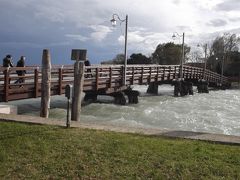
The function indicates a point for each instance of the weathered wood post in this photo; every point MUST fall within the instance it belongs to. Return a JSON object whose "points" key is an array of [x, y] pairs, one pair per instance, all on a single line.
{"points": [[78, 82], [6, 84], [46, 84], [36, 82], [153, 88]]}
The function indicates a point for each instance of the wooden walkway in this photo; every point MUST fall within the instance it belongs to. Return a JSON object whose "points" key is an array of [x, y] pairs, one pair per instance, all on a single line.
{"points": [[98, 79]]}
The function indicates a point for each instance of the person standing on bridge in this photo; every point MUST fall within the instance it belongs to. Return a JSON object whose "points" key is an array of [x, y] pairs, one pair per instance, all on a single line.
{"points": [[21, 73], [7, 61], [87, 63]]}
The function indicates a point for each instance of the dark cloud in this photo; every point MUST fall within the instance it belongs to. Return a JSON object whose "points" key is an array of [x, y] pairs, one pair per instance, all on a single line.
{"points": [[184, 28], [234, 19], [176, 2], [217, 23], [229, 5]]}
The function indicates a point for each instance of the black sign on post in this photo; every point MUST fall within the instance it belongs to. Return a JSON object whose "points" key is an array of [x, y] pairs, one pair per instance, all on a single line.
{"points": [[68, 94], [68, 91], [79, 54]]}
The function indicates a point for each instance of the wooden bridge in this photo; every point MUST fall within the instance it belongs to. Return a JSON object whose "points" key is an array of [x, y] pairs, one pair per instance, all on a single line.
{"points": [[99, 79]]}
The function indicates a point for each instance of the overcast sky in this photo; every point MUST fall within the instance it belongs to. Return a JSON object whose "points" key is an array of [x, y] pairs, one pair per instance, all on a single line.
{"points": [[29, 26]]}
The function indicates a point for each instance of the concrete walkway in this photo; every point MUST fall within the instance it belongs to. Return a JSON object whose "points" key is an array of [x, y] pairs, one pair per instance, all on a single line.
{"points": [[218, 138]]}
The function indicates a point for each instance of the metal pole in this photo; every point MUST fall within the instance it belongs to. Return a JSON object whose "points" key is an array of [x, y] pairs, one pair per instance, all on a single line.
{"points": [[68, 111], [222, 68], [182, 60], [125, 53], [205, 63]]}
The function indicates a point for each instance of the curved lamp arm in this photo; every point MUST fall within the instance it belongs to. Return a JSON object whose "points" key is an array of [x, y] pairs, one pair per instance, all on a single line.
{"points": [[114, 21], [175, 34]]}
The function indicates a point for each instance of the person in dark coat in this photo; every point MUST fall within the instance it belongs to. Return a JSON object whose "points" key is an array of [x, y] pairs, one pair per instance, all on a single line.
{"points": [[7, 61], [21, 63], [87, 63]]}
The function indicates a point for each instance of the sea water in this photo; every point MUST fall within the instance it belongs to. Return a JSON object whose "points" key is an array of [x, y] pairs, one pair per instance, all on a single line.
{"points": [[216, 112]]}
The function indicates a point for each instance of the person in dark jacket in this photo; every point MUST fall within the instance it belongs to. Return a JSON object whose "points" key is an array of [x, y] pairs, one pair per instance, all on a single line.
{"points": [[87, 63], [7, 61], [21, 63]]}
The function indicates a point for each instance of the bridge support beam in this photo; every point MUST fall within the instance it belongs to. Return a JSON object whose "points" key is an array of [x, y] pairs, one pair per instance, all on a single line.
{"points": [[119, 98], [153, 88], [90, 97], [182, 88], [202, 86], [132, 96]]}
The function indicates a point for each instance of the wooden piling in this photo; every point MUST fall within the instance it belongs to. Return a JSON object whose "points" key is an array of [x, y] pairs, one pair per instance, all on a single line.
{"points": [[78, 90], [60, 80], [46, 84], [6, 84], [36, 83], [153, 88]]}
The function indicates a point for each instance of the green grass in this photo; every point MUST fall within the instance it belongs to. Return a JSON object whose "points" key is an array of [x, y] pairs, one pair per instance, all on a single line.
{"points": [[49, 152]]}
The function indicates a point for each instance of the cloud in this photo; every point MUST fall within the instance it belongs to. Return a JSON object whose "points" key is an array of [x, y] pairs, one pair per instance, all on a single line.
{"points": [[144, 41], [53, 14], [77, 37], [57, 25], [235, 19], [228, 5], [100, 32], [217, 23]]}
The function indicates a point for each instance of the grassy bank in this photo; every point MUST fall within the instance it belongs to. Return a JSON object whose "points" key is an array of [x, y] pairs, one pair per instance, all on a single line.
{"points": [[40, 152]]}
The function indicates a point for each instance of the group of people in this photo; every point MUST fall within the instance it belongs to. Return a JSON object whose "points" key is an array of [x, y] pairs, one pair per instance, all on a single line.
{"points": [[8, 62]]}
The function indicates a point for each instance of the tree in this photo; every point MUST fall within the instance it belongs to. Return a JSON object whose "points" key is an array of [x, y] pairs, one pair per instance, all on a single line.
{"points": [[119, 59], [169, 53], [139, 59], [195, 57], [225, 49]]}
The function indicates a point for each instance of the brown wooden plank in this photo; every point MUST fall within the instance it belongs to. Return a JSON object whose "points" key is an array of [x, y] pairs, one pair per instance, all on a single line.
{"points": [[60, 80], [36, 85]]}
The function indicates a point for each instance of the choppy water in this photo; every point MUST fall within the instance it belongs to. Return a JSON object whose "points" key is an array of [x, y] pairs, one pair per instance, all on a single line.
{"points": [[216, 112]]}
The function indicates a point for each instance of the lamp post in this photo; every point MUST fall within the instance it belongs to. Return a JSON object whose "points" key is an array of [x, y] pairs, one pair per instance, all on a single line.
{"points": [[205, 58], [222, 65], [175, 34], [114, 23]]}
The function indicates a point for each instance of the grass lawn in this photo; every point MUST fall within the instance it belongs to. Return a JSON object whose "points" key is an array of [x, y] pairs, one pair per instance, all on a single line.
{"points": [[50, 152]]}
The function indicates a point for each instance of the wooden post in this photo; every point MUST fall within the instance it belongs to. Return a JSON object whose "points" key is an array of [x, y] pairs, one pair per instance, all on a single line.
{"points": [[36, 82], [175, 73], [150, 75], [6, 84], [163, 78], [60, 80], [123, 73], [133, 75], [110, 77], [97, 78], [142, 75], [78, 89], [46, 84]]}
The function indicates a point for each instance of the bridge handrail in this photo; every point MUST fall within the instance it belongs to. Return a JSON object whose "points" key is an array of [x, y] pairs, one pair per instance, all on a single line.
{"points": [[100, 77]]}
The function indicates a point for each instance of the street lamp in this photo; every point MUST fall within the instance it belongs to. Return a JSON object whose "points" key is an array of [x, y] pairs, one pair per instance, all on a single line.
{"points": [[114, 23], [205, 58], [222, 65], [175, 34]]}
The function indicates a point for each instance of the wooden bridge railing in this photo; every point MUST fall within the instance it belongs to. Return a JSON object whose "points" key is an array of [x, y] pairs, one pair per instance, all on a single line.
{"points": [[97, 78]]}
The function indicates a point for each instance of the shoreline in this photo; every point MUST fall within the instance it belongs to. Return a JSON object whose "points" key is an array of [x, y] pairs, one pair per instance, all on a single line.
{"points": [[209, 137]]}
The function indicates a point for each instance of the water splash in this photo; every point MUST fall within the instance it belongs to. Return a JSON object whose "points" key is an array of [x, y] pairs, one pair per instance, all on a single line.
{"points": [[216, 112]]}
